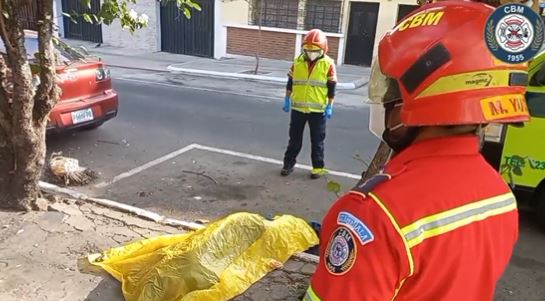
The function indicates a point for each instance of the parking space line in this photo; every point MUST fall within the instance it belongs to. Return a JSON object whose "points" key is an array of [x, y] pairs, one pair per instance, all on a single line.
{"points": [[150, 164], [190, 147], [269, 160]]}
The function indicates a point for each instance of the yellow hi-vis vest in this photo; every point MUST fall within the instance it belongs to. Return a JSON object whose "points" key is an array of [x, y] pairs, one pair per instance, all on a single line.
{"points": [[309, 93]]}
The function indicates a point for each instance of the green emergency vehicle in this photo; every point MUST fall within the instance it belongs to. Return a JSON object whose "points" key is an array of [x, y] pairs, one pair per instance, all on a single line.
{"points": [[518, 152]]}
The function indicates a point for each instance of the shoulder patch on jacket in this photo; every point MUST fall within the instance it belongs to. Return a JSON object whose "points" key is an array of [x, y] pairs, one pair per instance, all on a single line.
{"points": [[357, 226], [367, 186]]}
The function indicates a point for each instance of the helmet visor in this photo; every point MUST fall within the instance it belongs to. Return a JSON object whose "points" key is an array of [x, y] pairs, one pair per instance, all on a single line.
{"points": [[381, 89], [381, 92]]}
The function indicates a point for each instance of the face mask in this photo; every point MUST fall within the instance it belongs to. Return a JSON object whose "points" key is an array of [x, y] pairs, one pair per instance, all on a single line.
{"points": [[313, 55], [399, 143]]}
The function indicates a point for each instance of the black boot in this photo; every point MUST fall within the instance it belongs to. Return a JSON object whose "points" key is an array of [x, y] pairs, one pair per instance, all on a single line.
{"points": [[286, 171]]}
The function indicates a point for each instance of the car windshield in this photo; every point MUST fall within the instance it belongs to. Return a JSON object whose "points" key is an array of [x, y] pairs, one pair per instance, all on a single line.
{"points": [[65, 53]]}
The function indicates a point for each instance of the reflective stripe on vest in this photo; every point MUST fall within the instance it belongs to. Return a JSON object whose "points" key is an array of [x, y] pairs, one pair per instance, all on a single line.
{"points": [[310, 89], [311, 295], [299, 104], [453, 219], [313, 83]]}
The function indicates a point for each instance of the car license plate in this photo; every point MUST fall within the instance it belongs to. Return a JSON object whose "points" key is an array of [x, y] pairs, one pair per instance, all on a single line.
{"points": [[82, 116]]}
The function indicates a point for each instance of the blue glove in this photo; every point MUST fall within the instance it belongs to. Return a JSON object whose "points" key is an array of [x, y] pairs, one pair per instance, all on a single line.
{"points": [[328, 111], [287, 104]]}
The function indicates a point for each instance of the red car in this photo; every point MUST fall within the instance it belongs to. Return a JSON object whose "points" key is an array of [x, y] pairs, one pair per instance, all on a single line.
{"points": [[87, 98]]}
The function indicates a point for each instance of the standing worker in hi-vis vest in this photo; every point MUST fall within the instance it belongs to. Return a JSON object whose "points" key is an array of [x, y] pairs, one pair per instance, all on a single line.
{"points": [[309, 93]]}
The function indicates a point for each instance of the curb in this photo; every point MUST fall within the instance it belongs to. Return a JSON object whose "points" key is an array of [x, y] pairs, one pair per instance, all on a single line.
{"points": [[136, 68], [145, 214], [177, 70]]}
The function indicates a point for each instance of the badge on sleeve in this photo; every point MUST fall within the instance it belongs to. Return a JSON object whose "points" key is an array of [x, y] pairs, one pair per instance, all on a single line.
{"points": [[353, 223], [341, 252]]}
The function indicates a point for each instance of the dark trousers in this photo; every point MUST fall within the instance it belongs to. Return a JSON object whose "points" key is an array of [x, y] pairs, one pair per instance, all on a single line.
{"points": [[317, 125]]}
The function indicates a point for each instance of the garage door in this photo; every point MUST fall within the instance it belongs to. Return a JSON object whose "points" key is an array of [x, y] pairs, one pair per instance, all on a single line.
{"points": [[81, 30], [193, 36]]}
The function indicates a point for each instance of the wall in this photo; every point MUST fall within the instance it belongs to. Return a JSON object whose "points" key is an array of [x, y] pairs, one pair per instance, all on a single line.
{"points": [[277, 43], [143, 39], [274, 45], [227, 12]]}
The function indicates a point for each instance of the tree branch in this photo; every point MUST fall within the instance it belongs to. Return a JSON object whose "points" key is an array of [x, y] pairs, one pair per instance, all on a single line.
{"points": [[46, 95], [21, 75]]}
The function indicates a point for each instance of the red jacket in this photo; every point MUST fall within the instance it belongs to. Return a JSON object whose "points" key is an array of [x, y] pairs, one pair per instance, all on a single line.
{"points": [[439, 225]]}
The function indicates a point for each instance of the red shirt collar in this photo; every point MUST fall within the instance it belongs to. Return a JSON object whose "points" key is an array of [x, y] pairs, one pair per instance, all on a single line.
{"points": [[436, 147]]}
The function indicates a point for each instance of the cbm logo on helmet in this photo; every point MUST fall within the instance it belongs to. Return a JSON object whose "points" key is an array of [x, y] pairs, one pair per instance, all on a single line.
{"points": [[514, 33]]}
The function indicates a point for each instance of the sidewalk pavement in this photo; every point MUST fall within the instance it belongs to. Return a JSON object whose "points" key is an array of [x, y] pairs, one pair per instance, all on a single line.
{"points": [[272, 71], [43, 255]]}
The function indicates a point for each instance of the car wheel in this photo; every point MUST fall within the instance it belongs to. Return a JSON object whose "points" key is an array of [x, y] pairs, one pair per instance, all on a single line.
{"points": [[541, 208], [92, 126]]}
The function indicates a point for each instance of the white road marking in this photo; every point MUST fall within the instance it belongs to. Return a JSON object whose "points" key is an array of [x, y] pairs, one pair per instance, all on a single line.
{"points": [[272, 161], [190, 147], [150, 164]]}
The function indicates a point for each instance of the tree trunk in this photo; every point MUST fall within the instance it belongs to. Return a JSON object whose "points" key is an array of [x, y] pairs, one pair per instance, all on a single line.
{"points": [[381, 157], [258, 46], [24, 110], [21, 162]]}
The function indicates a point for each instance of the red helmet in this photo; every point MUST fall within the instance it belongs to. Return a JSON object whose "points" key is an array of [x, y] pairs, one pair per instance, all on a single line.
{"points": [[437, 61], [317, 38]]}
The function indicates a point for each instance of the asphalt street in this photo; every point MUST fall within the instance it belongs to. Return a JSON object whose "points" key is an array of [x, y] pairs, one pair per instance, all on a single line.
{"points": [[156, 118]]}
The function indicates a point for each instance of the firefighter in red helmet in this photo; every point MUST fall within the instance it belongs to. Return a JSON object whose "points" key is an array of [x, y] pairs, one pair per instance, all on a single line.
{"points": [[310, 93], [437, 223]]}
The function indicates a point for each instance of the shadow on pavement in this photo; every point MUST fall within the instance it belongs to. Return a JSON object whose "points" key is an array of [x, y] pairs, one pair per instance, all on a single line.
{"points": [[108, 289]]}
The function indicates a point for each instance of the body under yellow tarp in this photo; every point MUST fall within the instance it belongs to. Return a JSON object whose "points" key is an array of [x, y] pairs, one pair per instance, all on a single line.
{"points": [[215, 263]]}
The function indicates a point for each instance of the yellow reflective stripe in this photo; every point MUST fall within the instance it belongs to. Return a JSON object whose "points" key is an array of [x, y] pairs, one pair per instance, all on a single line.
{"points": [[447, 221], [311, 295], [399, 231], [469, 81], [300, 104], [312, 83]]}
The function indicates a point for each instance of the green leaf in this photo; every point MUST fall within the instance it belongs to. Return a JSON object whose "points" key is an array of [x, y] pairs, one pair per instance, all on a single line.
{"points": [[193, 5], [517, 171], [87, 3], [187, 12], [333, 186], [87, 18]]}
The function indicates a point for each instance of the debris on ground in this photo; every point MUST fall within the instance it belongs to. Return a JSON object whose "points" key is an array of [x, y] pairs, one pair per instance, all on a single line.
{"points": [[67, 171]]}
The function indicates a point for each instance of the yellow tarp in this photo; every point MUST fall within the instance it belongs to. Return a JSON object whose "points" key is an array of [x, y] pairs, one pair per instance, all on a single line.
{"points": [[215, 263]]}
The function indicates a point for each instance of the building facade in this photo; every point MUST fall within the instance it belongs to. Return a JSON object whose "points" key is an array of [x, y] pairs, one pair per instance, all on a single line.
{"points": [[231, 27], [353, 27]]}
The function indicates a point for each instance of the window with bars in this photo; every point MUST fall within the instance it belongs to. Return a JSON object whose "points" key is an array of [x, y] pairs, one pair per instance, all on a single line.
{"points": [[323, 14], [275, 13]]}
